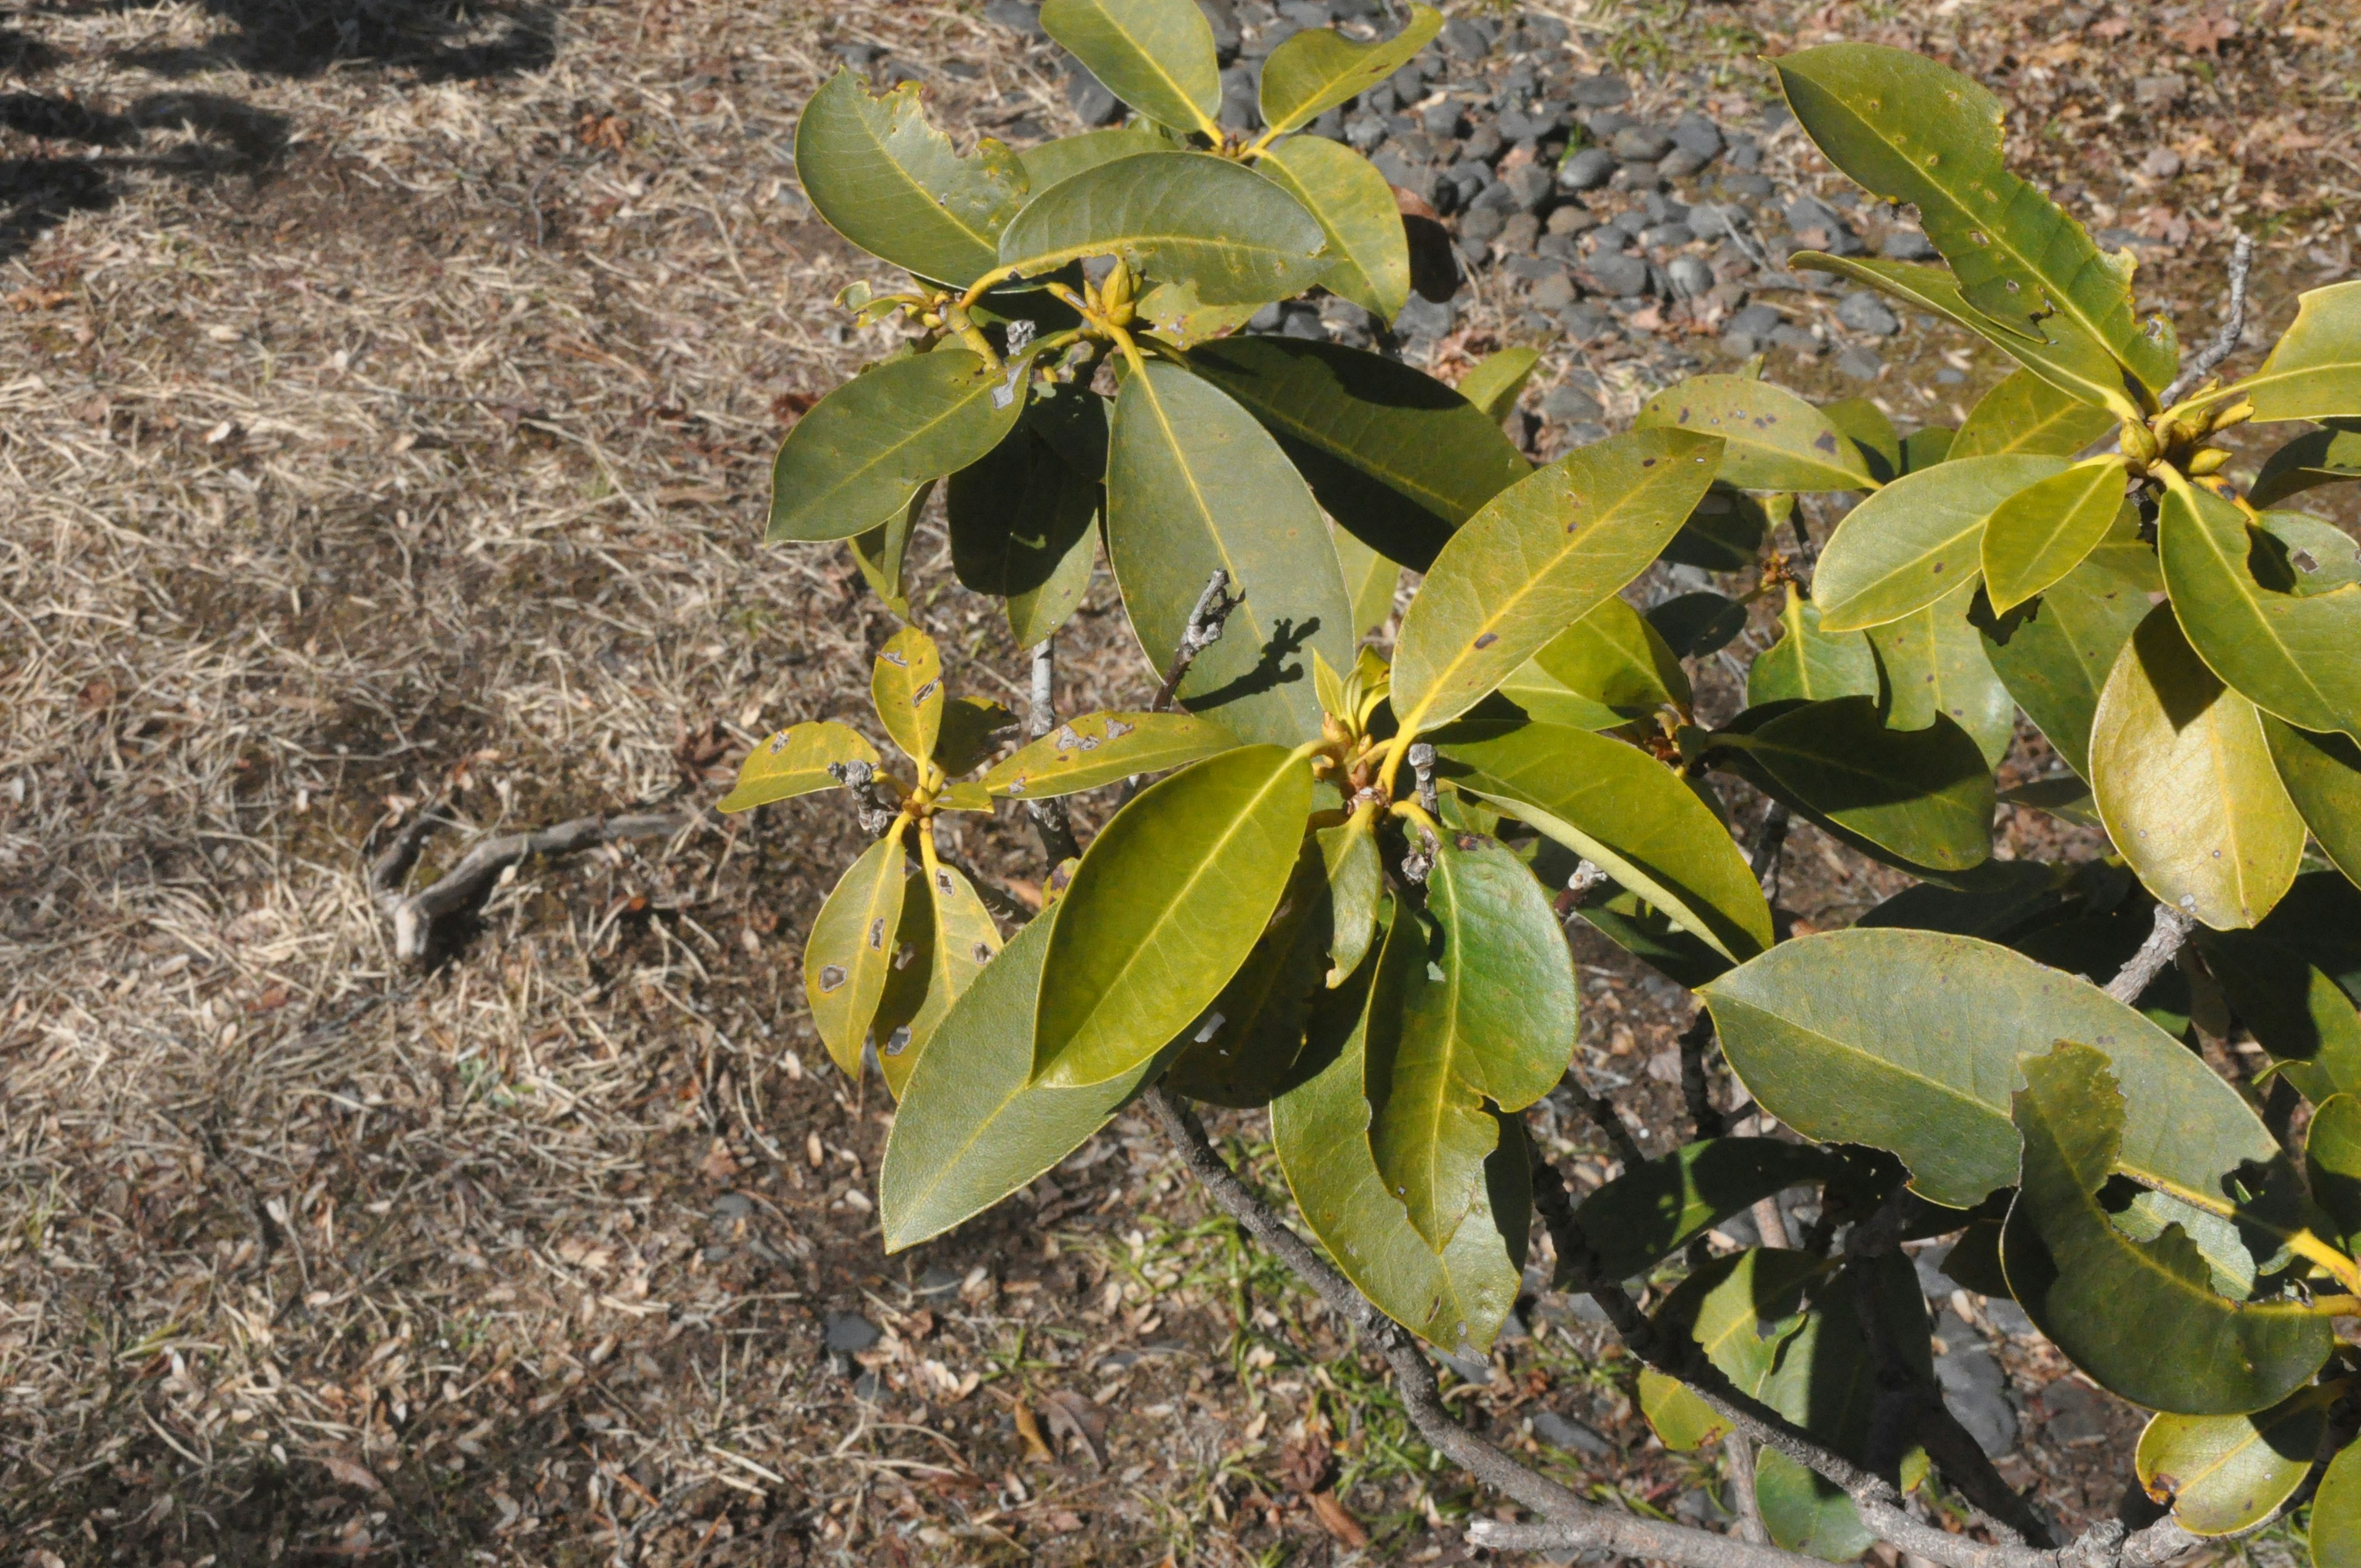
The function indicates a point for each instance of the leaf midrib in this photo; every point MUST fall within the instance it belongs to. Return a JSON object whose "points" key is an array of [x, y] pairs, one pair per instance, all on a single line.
{"points": [[928, 199], [1393, 478], [852, 476], [2261, 618], [2099, 475], [1239, 588], [1764, 746], [1155, 66]]}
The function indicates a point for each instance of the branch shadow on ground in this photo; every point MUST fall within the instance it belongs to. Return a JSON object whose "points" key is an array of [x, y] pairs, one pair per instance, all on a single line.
{"points": [[441, 41]]}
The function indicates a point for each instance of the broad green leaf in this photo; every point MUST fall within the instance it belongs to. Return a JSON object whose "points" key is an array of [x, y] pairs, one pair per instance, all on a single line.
{"points": [[883, 551], [1741, 1311], [1629, 815], [1935, 663], [850, 949], [864, 452], [1909, 1041], [1925, 794], [1369, 581], [1020, 529], [1165, 906], [1488, 1016], [1055, 161], [1916, 540], [2295, 553], [796, 761], [2297, 655], [2054, 654], [1073, 420], [1320, 68], [906, 685], [1912, 130], [1100, 749], [1809, 664], [1543, 698], [1357, 883], [1804, 1513], [1180, 217], [1321, 1133], [1156, 55], [2024, 890], [945, 939], [1541, 555], [891, 184], [1648, 933], [1725, 533], [2062, 795], [1925, 448], [2335, 1529], [1193, 484], [1174, 313], [2296, 1013], [1696, 624], [1615, 656], [1357, 212], [1499, 380], [2141, 1318], [2314, 370], [2315, 458], [2068, 359], [1865, 425], [1658, 1207], [1682, 1421], [1396, 457], [1771, 439], [2332, 1157], [2185, 784], [2323, 775], [2321, 918], [972, 1127], [2025, 416], [1243, 1050], [2045, 531], [973, 728]]}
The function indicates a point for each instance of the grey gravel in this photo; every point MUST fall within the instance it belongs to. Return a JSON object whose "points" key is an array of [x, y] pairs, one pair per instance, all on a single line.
{"points": [[1092, 103], [1905, 244], [939, 1283], [1463, 38], [1860, 364], [1601, 91], [732, 1206], [1795, 339], [1640, 144], [1690, 276], [1626, 276], [1225, 21], [1758, 320], [1975, 1389], [1554, 292], [1563, 403], [1672, 236], [849, 1333], [2075, 1413], [1529, 183], [1587, 170], [1696, 134], [1570, 1435], [1423, 317], [1864, 312]]}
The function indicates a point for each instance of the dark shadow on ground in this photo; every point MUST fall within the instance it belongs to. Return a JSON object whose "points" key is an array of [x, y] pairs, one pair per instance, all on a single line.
{"points": [[441, 41]]}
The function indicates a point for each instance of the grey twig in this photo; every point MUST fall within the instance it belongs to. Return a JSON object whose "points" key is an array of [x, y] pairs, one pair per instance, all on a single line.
{"points": [[2164, 942], [1696, 1088], [413, 914], [1573, 1521], [1738, 1470], [2234, 325], [1202, 630], [1770, 839], [873, 806], [1422, 767], [1049, 818]]}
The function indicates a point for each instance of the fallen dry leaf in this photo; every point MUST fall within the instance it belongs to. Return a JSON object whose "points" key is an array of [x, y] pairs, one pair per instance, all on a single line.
{"points": [[1036, 1445], [350, 1473], [1336, 1521]]}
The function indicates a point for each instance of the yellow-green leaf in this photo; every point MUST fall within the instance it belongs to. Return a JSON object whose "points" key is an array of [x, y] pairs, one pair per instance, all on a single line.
{"points": [[1167, 903], [1245, 1049], [1865, 425], [2315, 372], [796, 761], [1499, 380], [2335, 1529], [946, 938], [2045, 530], [1156, 55], [882, 551], [1616, 657], [1194, 484], [1935, 663], [906, 685], [1357, 883], [1320, 68], [2185, 784], [1912, 130], [1357, 212], [1369, 581], [2331, 1158], [2297, 655], [1916, 540], [1058, 161], [972, 727], [2221, 1474], [2315, 458], [850, 949], [2323, 775], [1771, 439], [865, 450], [2055, 653], [1541, 555], [1100, 749], [2069, 358], [2023, 414], [894, 185], [1181, 216], [1809, 663]]}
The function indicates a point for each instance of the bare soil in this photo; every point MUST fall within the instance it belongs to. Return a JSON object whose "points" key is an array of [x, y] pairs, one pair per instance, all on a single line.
{"points": [[389, 388]]}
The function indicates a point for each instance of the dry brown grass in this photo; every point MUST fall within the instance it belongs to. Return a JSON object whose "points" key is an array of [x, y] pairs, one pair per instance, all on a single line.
{"points": [[386, 397]]}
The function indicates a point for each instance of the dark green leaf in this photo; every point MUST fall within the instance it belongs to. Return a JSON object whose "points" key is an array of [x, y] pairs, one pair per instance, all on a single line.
{"points": [[1156, 55], [1244, 1048], [1726, 532], [2055, 653], [1644, 931], [2141, 1318], [2025, 416], [973, 726], [864, 451], [796, 761], [1488, 1017], [2336, 1532], [1394, 456], [1809, 664], [1773, 440], [1908, 1041], [2315, 458], [1054, 161], [1912, 130], [2024, 888], [1194, 484], [1804, 1513], [1320, 68], [1916, 540], [2295, 1011], [1695, 625], [891, 184], [1165, 906], [1541, 555], [1865, 424], [2332, 1157], [1925, 794], [1182, 217], [1020, 528], [972, 1127], [2323, 775], [1655, 1208], [2184, 782]]}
